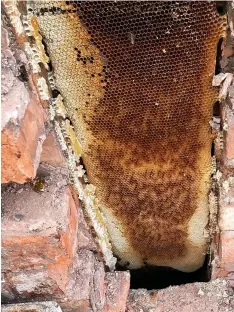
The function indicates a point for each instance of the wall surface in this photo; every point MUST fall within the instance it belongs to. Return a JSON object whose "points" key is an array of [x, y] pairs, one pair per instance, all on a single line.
{"points": [[49, 250]]}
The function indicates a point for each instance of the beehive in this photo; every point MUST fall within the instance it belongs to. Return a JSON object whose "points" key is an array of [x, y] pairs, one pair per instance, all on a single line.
{"points": [[136, 80]]}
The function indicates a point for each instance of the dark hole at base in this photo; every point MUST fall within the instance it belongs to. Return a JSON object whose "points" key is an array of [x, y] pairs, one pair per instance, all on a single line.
{"points": [[162, 277]]}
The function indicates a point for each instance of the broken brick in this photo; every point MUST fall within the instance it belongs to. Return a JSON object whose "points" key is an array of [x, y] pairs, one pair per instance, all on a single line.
{"points": [[51, 151], [39, 237], [117, 287]]}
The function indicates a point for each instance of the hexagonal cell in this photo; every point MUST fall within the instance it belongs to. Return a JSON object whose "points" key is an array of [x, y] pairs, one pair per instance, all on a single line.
{"points": [[146, 126]]}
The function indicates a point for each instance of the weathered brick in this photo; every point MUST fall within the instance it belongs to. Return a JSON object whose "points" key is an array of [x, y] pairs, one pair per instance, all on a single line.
{"points": [[227, 250], [228, 116], [226, 217], [23, 117], [14, 94], [97, 291], [117, 287], [78, 287], [39, 236], [85, 238], [215, 296], [228, 51], [21, 151], [230, 142], [49, 306], [223, 264], [51, 151]]}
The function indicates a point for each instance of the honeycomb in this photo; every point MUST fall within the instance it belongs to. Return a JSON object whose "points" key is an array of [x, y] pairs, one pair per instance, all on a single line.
{"points": [[136, 80]]}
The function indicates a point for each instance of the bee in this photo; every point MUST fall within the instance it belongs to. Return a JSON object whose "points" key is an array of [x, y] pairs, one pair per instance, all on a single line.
{"points": [[38, 184]]}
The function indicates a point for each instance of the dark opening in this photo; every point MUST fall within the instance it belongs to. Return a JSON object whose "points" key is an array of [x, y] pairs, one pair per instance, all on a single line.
{"points": [[212, 149], [23, 75], [151, 277], [221, 7], [217, 109], [218, 68], [217, 116], [217, 122]]}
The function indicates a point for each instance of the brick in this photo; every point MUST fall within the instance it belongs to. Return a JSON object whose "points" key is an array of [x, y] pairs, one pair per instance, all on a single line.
{"points": [[85, 238], [21, 151], [97, 291], [229, 133], [226, 217], [227, 250], [14, 94], [228, 51], [231, 279], [40, 256], [33, 283], [117, 287], [23, 117], [39, 237], [75, 306], [223, 264], [49, 306], [141, 300], [78, 287], [51, 151], [215, 296], [230, 143]]}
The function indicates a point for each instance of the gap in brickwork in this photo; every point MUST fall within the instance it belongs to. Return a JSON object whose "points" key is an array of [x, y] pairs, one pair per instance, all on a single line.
{"points": [[221, 7], [217, 109], [217, 114], [212, 149], [218, 68], [151, 277]]}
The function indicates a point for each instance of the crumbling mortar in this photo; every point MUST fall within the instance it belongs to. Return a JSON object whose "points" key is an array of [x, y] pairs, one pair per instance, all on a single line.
{"points": [[14, 15], [222, 80], [221, 180], [212, 229]]}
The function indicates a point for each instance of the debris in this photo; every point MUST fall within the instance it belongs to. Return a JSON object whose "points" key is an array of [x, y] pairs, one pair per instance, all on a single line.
{"points": [[218, 79]]}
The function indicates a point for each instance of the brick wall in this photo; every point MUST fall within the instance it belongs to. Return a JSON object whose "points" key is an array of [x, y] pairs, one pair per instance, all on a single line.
{"points": [[48, 251]]}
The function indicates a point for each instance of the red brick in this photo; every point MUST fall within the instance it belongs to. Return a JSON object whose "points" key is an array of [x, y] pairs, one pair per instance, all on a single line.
{"points": [[49, 306], [228, 51], [21, 151], [85, 238], [22, 118], [223, 264], [39, 237], [14, 94], [227, 250], [215, 296], [97, 291], [226, 217], [78, 287], [117, 288], [230, 142], [51, 151]]}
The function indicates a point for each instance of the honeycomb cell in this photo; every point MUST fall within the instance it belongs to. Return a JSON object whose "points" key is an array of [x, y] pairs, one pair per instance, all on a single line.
{"points": [[136, 79]]}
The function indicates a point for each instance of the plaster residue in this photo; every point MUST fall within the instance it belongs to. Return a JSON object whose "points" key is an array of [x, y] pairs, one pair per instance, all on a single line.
{"points": [[14, 94]]}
